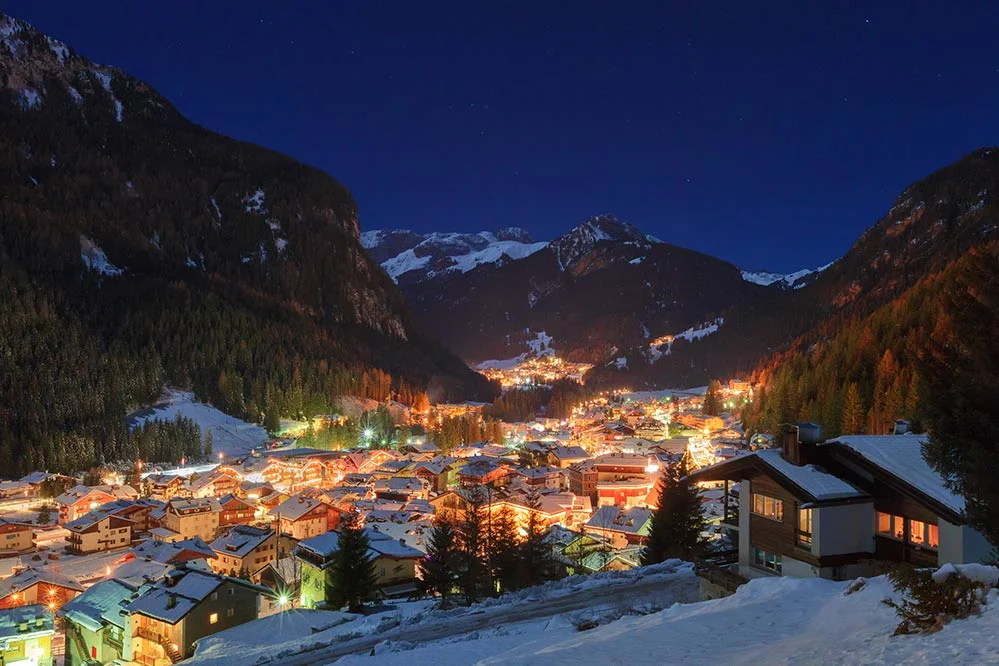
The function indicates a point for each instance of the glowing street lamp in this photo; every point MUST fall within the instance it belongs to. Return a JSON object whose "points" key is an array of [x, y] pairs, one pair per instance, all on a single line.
{"points": [[368, 433]]}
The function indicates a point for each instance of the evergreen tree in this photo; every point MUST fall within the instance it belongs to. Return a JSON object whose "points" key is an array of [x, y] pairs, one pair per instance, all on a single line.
{"points": [[44, 515], [209, 441], [960, 378], [537, 564], [853, 411], [441, 567], [503, 548], [473, 578], [678, 520], [712, 404], [352, 570]]}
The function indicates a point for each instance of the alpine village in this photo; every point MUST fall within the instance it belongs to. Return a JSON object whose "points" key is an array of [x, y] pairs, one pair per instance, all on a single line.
{"points": [[236, 429]]}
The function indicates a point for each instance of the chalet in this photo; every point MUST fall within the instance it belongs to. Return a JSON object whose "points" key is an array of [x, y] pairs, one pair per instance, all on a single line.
{"points": [[235, 511], [177, 552], [481, 471], [170, 615], [564, 456], [26, 635], [434, 472], [244, 551], [96, 531], [453, 504], [621, 527], [302, 517], [139, 511], [15, 489], [187, 518], [165, 487], [402, 488], [701, 422], [95, 629], [215, 484], [78, 500], [832, 509], [38, 586], [15, 537], [394, 564]]}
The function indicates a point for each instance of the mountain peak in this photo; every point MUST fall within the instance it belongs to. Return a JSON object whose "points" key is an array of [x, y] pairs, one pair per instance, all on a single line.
{"points": [[597, 229]]}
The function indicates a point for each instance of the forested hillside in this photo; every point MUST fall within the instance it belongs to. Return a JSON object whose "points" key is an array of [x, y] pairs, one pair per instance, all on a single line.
{"points": [[138, 249]]}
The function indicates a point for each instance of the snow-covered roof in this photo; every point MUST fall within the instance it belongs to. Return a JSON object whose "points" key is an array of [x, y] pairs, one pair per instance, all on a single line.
{"points": [[617, 520], [11, 620], [817, 483], [99, 603], [902, 457], [241, 540], [296, 506], [29, 577]]}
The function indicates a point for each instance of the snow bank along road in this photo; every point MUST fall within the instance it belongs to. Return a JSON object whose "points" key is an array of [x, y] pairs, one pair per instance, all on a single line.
{"points": [[678, 588]]}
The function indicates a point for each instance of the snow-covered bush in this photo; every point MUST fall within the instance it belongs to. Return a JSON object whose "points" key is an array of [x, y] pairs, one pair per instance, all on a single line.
{"points": [[930, 599]]}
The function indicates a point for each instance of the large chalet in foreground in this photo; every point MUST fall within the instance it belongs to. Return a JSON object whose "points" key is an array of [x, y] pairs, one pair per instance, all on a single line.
{"points": [[838, 508]]}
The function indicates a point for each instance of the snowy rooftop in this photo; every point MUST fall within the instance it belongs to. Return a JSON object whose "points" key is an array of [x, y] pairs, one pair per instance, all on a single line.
{"points": [[100, 603], [902, 457], [820, 485], [612, 518], [241, 540]]}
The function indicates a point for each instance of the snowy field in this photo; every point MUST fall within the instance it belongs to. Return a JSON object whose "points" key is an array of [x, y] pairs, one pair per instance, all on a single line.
{"points": [[230, 436], [768, 621]]}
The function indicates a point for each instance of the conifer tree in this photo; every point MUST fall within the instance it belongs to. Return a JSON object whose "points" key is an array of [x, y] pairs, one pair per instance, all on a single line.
{"points": [[960, 379], [678, 520], [353, 570], [853, 411], [537, 564], [473, 579], [503, 548], [209, 441], [441, 567], [712, 405]]}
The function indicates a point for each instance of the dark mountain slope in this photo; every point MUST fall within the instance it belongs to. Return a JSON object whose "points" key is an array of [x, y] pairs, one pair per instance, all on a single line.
{"points": [[172, 253]]}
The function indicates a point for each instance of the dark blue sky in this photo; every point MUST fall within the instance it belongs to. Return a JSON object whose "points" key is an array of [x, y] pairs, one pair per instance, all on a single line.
{"points": [[770, 134]]}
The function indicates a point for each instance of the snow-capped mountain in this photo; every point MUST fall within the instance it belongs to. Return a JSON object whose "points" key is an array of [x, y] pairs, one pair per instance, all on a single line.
{"points": [[413, 257], [795, 280], [582, 239]]}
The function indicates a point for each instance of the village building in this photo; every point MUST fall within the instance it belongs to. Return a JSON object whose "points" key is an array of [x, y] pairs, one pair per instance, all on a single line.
{"points": [[244, 551], [615, 479], [78, 500], [185, 518], [394, 565], [26, 635], [97, 531], [302, 517], [165, 487], [235, 511], [832, 509], [564, 456], [15, 537], [622, 527], [38, 586]]}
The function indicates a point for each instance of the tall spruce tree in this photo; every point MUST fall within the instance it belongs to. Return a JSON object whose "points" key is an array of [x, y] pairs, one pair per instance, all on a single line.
{"points": [[678, 520], [353, 569], [473, 577], [959, 370], [712, 404], [440, 568], [503, 549], [537, 564], [852, 421]]}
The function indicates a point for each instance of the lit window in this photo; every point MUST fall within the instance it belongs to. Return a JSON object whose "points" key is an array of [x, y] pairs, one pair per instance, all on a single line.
{"points": [[768, 507], [884, 523], [933, 536], [899, 527], [917, 532], [213, 618], [805, 527]]}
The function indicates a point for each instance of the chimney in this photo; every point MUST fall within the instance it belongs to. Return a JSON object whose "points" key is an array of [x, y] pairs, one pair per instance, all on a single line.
{"points": [[798, 442], [171, 601]]}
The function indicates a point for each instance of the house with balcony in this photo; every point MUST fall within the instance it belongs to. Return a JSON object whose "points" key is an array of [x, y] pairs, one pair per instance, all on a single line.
{"points": [[78, 500], [244, 551], [622, 527], [185, 518], [165, 487], [16, 537], [97, 531], [615, 479], [842, 508], [95, 624], [235, 511], [166, 617], [302, 516]]}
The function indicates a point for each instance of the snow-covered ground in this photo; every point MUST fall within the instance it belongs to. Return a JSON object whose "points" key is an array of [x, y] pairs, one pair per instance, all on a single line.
{"points": [[95, 259], [416, 622], [230, 436], [663, 346], [795, 280], [768, 621]]}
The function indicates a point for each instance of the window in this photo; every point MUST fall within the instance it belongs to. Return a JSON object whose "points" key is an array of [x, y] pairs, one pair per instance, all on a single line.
{"points": [[766, 560], [229, 612], [884, 523], [213, 618], [768, 507], [215, 596], [805, 527], [932, 536], [920, 534], [917, 532]]}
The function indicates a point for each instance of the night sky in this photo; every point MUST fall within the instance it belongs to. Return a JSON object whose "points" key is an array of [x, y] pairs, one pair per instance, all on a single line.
{"points": [[769, 134]]}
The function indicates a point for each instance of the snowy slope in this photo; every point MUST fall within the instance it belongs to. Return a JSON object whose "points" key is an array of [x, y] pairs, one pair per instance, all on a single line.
{"points": [[795, 280], [230, 436], [427, 255], [768, 621]]}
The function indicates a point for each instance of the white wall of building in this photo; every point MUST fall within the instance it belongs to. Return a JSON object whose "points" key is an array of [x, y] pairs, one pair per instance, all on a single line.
{"points": [[841, 529], [960, 544]]}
